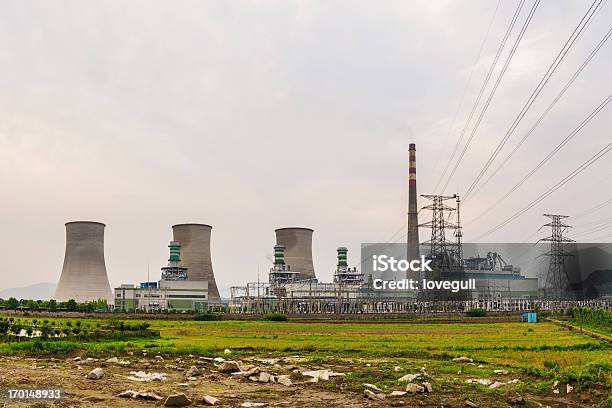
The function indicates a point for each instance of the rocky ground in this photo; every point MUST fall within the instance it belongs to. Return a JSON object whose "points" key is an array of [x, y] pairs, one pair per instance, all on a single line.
{"points": [[153, 380]]}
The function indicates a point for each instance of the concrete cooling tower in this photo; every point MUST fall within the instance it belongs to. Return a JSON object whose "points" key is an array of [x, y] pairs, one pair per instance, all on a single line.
{"points": [[298, 250], [195, 253], [84, 273]]}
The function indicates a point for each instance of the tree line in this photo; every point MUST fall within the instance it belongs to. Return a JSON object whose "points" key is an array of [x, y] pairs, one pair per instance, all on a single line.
{"points": [[71, 305]]}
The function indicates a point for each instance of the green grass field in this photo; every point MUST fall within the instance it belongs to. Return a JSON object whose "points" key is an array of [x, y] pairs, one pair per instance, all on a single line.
{"points": [[541, 349]]}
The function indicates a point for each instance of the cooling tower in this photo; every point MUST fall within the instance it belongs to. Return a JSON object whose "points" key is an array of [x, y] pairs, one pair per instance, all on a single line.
{"points": [[195, 253], [84, 272], [298, 250]]}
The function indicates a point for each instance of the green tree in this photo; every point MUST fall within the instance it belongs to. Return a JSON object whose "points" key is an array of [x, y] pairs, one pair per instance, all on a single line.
{"points": [[12, 303], [72, 305]]}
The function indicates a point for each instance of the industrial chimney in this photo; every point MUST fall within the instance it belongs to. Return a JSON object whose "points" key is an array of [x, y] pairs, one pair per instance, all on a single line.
{"points": [[413, 218], [195, 253], [84, 275], [298, 250]]}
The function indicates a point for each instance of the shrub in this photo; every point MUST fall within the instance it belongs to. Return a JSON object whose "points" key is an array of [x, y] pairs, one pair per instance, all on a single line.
{"points": [[476, 313], [275, 317]]}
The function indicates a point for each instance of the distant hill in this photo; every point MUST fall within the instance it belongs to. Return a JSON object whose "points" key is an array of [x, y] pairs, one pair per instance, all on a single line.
{"points": [[42, 291]]}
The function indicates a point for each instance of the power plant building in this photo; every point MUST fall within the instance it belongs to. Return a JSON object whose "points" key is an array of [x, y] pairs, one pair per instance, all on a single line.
{"points": [[172, 292], [195, 251], [178, 295], [84, 276]]}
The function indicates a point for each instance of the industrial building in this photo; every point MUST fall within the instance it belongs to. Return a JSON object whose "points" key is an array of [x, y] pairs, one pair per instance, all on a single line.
{"points": [[84, 276], [173, 292], [162, 295], [497, 280], [195, 250]]}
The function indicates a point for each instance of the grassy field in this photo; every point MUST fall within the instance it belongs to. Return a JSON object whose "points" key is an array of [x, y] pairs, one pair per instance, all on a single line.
{"points": [[537, 353]]}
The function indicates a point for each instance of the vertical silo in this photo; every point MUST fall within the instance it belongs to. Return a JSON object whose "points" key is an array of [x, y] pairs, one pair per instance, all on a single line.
{"points": [[195, 253], [298, 250], [84, 272]]}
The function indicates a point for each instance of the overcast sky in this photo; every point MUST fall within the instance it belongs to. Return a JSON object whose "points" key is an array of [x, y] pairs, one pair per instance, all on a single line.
{"points": [[255, 115]]}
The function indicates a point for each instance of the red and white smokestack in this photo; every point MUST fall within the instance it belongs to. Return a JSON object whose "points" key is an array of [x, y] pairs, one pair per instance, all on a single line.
{"points": [[413, 219]]}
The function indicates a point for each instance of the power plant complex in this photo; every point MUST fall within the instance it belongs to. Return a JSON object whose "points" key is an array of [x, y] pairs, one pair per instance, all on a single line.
{"points": [[187, 282]]}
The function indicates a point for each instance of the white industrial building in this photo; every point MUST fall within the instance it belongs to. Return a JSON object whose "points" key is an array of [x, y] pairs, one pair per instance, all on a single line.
{"points": [[179, 295]]}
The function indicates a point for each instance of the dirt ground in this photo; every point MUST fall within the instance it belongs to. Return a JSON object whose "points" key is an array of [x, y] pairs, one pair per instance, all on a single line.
{"points": [[232, 391]]}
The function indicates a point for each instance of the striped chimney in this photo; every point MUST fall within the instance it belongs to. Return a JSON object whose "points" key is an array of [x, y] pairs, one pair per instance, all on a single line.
{"points": [[413, 219]]}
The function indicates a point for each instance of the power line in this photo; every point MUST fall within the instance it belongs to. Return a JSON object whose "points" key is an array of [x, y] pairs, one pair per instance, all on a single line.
{"points": [[551, 190], [546, 111], [500, 48], [548, 157], [464, 93], [493, 90], [593, 209], [538, 89], [597, 228]]}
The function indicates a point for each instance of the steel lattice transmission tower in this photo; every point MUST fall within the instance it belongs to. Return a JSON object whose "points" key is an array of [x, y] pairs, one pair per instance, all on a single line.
{"points": [[556, 279], [446, 254]]}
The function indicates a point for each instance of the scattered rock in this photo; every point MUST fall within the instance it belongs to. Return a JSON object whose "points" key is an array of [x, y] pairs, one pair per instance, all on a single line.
{"points": [[143, 395], [555, 391], [160, 358], [481, 381], [284, 380], [249, 404], [568, 388], [177, 400], [218, 359], [427, 386], [76, 359], [372, 387], [264, 377], [376, 397], [112, 360], [210, 400], [398, 393], [513, 398], [229, 367], [95, 374], [192, 372], [397, 369], [227, 351], [470, 404], [463, 360], [414, 388], [409, 377], [146, 377], [496, 384], [317, 375], [501, 372]]}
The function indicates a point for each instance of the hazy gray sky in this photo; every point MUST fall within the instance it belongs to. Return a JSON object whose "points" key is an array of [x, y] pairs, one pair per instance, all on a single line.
{"points": [[255, 115]]}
